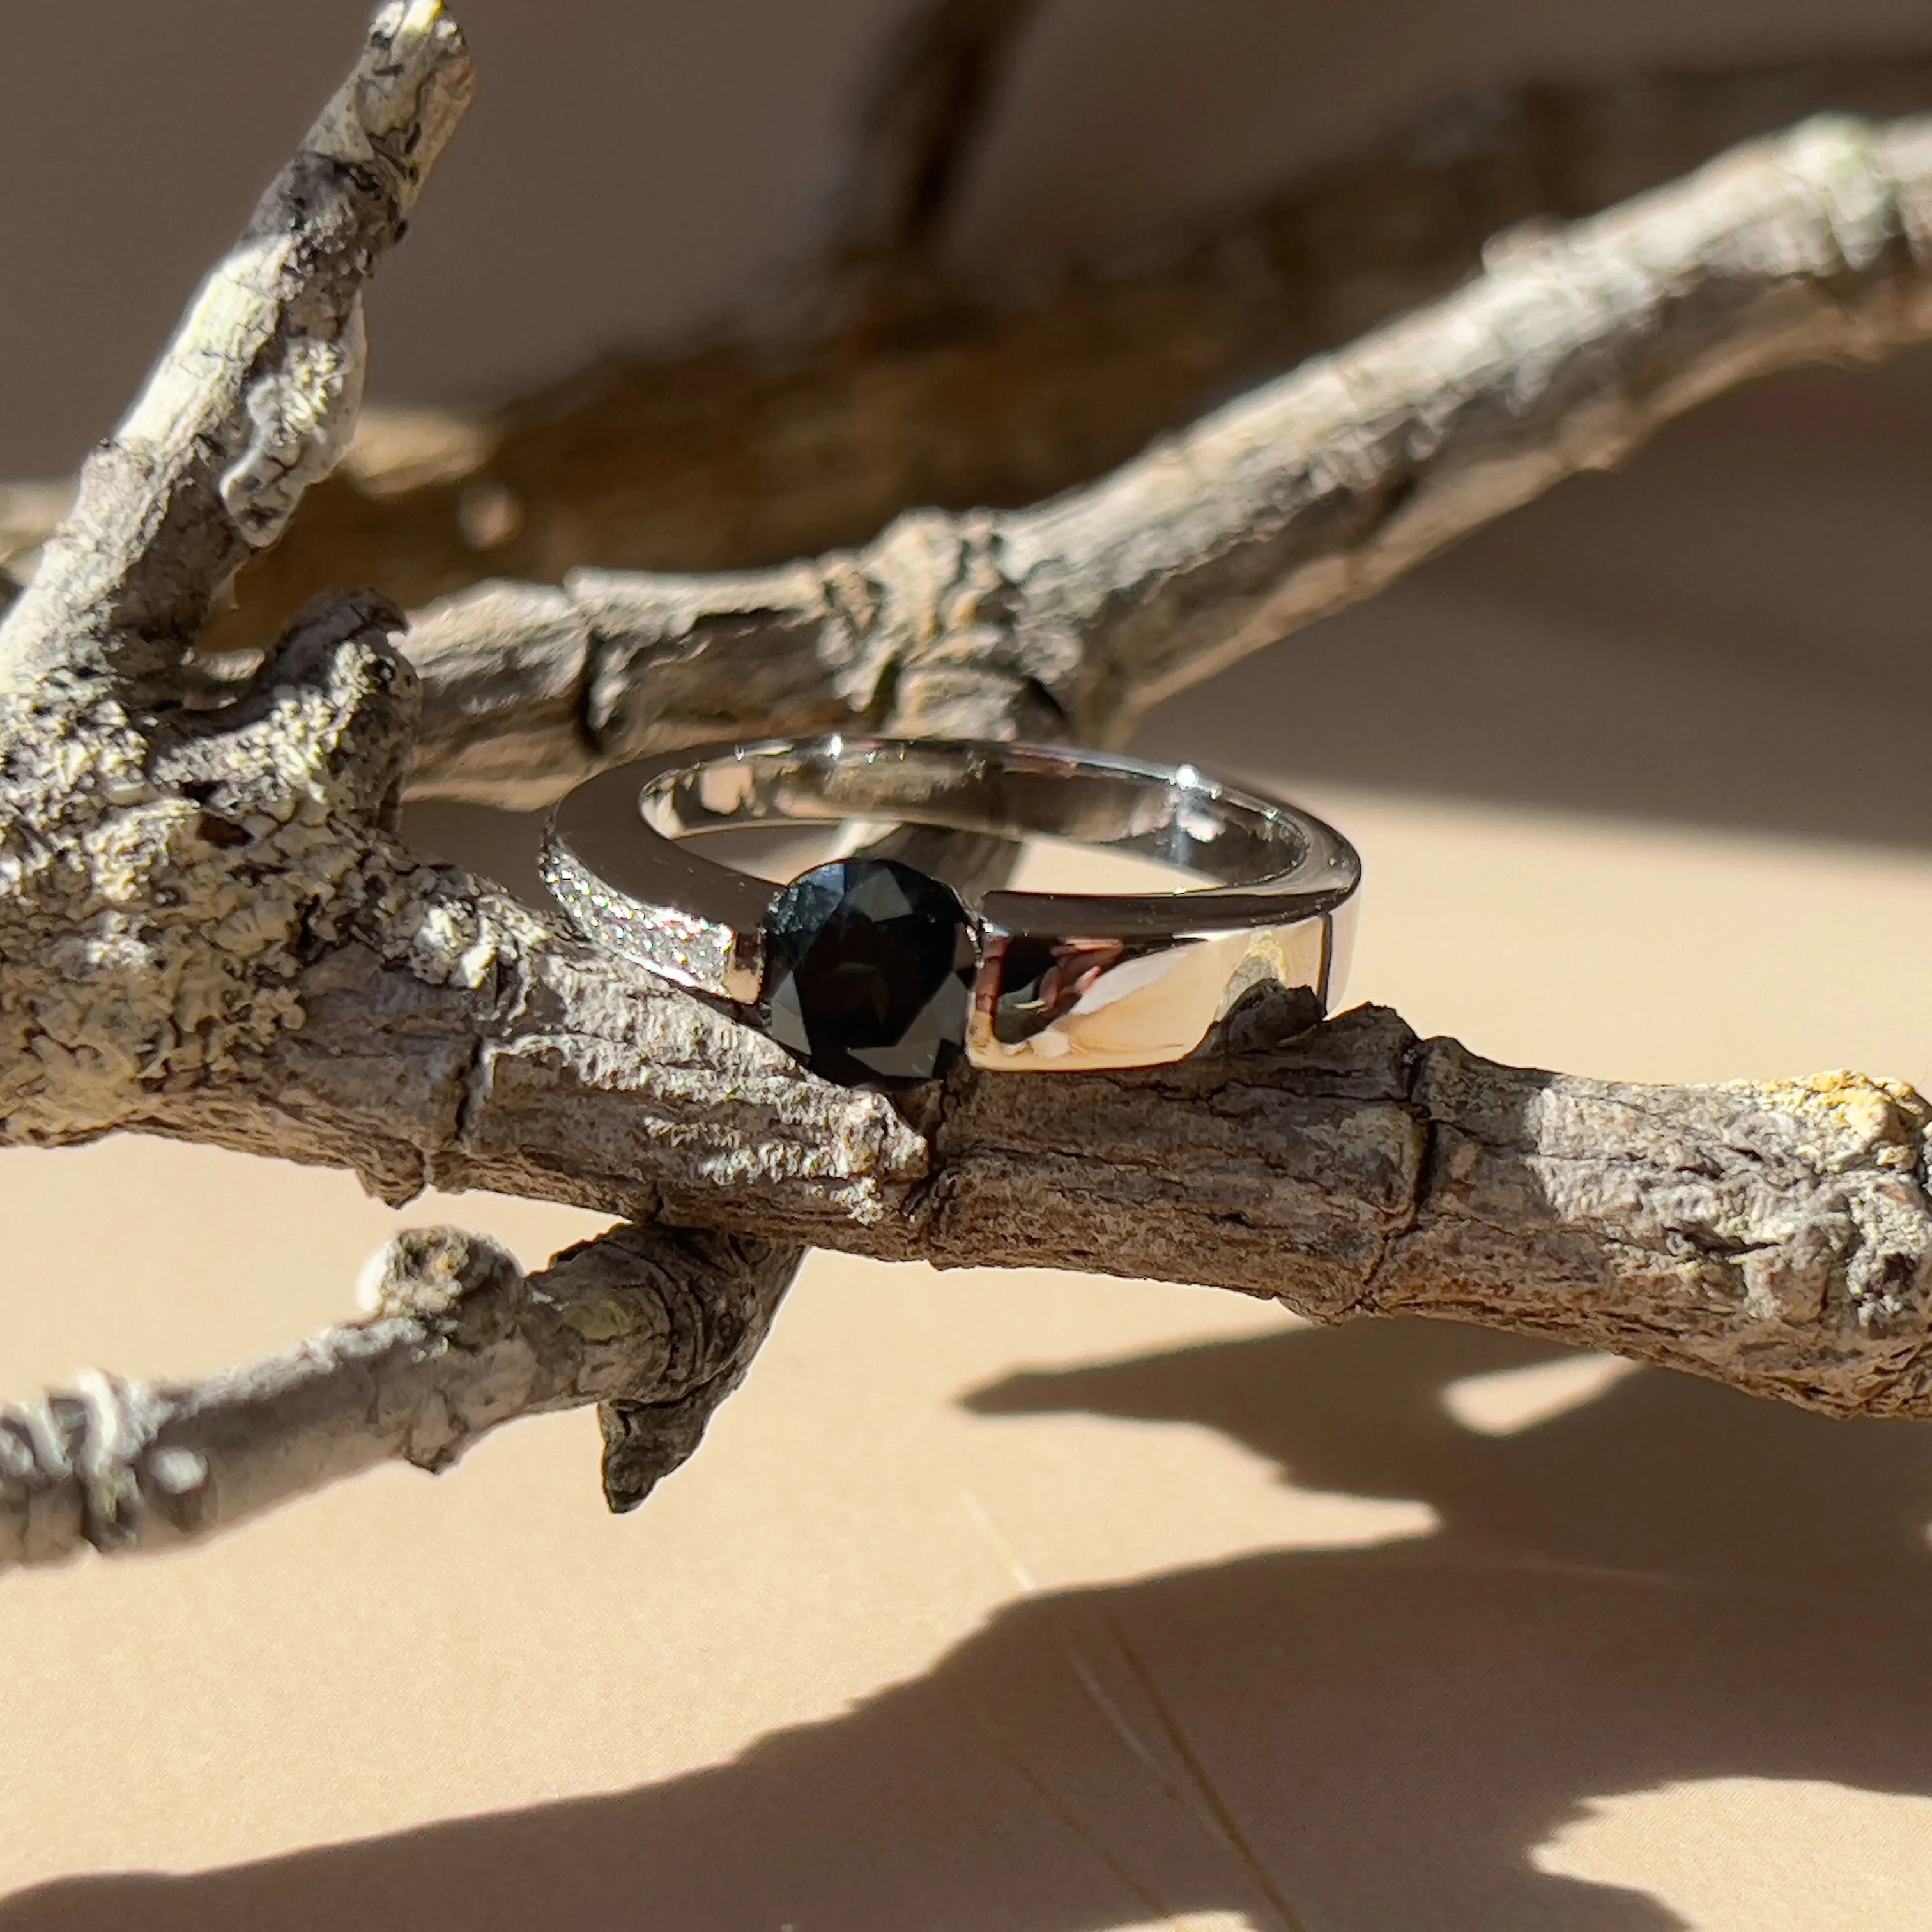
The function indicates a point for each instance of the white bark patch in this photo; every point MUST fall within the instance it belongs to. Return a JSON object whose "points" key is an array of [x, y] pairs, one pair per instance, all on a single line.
{"points": [[230, 323], [303, 413]]}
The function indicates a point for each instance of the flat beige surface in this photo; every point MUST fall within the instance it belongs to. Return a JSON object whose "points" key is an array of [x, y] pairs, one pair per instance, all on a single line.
{"points": [[1028, 1603]]}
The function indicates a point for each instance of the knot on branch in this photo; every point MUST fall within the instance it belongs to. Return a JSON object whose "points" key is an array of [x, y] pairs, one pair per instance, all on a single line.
{"points": [[658, 1325], [333, 710], [448, 1276], [938, 639], [706, 1300]]}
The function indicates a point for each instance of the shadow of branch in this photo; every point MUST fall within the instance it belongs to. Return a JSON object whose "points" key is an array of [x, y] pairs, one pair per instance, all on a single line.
{"points": [[1669, 1582]]}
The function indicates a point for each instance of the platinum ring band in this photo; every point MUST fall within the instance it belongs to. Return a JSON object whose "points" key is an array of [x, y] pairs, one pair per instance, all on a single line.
{"points": [[1048, 981]]}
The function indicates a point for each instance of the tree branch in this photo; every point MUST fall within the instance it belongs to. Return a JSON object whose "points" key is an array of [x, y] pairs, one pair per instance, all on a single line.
{"points": [[207, 929], [657, 1325], [814, 429], [1305, 497], [1776, 1237], [259, 397]]}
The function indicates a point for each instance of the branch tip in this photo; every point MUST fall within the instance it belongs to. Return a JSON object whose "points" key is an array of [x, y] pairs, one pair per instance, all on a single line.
{"points": [[429, 1273], [256, 399]]}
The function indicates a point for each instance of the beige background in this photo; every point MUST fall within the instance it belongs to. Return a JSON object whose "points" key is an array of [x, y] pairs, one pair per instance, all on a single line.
{"points": [[1025, 1601]]}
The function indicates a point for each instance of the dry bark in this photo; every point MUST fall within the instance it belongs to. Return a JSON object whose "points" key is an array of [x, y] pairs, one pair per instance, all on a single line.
{"points": [[1774, 1238], [209, 930], [1307, 495], [890, 379], [456, 1341]]}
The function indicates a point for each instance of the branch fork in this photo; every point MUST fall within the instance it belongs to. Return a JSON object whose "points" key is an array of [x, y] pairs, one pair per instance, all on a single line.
{"points": [[210, 927]]}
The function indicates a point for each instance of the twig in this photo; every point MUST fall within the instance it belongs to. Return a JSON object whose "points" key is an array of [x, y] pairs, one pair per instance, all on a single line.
{"points": [[658, 1326], [812, 430], [1305, 496], [258, 398]]}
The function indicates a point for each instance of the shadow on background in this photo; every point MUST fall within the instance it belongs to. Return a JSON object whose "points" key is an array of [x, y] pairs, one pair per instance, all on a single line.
{"points": [[1670, 1582]]}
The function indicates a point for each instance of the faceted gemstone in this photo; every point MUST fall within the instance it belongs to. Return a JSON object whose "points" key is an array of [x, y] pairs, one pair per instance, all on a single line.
{"points": [[868, 971]]}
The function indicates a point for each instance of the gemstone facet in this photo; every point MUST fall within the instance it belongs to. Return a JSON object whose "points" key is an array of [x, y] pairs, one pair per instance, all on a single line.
{"points": [[868, 973]]}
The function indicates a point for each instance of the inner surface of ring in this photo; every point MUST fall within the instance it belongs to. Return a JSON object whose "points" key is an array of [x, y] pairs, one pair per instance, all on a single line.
{"points": [[1189, 822]]}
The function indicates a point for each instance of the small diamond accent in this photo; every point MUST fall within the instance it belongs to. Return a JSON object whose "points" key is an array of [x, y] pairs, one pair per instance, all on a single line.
{"points": [[692, 952]]}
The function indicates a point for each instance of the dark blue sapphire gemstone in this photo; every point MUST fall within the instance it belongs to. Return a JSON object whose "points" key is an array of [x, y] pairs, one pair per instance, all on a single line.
{"points": [[868, 973]]}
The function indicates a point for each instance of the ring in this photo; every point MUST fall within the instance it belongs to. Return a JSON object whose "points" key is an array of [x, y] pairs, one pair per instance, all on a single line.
{"points": [[874, 973]]}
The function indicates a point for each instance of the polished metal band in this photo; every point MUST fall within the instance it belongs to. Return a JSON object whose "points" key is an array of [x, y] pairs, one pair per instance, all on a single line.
{"points": [[1061, 980]]}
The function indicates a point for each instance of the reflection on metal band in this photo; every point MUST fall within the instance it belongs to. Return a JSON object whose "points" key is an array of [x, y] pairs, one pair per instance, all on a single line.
{"points": [[1029, 983], [1040, 1006]]}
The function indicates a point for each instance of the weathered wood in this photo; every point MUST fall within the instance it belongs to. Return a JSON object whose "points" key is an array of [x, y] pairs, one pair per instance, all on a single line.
{"points": [[1777, 1238], [1304, 497], [885, 380], [458, 1342], [209, 928], [258, 398]]}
